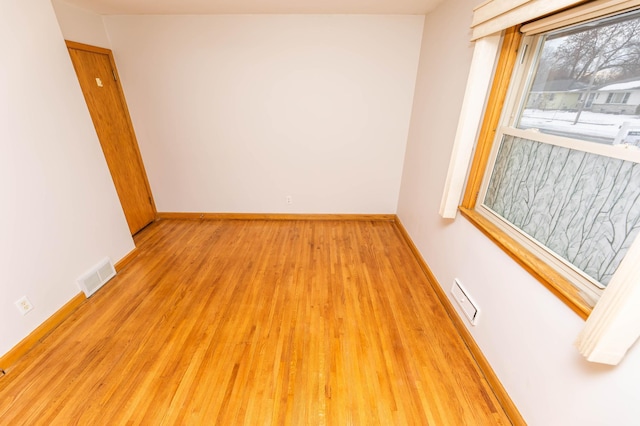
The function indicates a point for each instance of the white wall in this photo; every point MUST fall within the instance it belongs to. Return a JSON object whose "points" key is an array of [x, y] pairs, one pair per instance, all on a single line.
{"points": [[59, 211], [235, 112], [524, 331], [80, 25]]}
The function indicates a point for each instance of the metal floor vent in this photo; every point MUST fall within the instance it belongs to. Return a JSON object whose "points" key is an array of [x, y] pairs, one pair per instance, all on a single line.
{"points": [[90, 282]]}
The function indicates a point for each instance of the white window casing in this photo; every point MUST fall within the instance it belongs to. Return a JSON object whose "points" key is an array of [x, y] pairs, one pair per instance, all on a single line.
{"points": [[478, 84], [614, 324]]}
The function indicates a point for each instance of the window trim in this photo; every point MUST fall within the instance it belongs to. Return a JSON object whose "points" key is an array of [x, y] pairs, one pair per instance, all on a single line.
{"points": [[543, 272], [613, 324]]}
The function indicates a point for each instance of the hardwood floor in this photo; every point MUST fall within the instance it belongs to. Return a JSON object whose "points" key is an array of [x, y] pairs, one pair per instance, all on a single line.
{"points": [[256, 322]]}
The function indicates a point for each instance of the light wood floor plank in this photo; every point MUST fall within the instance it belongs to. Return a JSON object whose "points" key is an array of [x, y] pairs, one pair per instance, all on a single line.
{"points": [[305, 322]]}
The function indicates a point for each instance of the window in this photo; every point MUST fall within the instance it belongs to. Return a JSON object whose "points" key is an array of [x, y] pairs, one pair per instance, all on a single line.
{"points": [[578, 122], [618, 98], [561, 186]]}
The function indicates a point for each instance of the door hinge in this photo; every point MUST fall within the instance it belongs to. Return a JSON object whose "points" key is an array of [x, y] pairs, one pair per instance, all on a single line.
{"points": [[114, 74]]}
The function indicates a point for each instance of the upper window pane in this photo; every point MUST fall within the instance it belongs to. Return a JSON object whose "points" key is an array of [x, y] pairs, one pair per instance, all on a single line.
{"points": [[586, 84]]}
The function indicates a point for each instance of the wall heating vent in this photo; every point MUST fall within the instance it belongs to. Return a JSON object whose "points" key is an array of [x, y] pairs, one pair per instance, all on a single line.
{"points": [[467, 304], [90, 282]]}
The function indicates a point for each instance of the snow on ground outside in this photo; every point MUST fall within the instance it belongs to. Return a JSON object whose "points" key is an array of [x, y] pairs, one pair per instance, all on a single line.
{"points": [[595, 124]]}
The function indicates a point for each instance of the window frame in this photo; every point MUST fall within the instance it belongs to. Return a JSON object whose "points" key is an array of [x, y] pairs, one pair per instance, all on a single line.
{"points": [[537, 267], [504, 98], [613, 324]]}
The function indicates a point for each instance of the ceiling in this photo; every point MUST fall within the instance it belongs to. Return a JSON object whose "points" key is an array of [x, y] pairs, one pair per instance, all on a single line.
{"points": [[202, 7]]}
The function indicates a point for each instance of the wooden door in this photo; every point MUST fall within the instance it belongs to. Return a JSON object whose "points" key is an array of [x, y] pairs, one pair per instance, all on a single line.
{"points": [[98, 78]]}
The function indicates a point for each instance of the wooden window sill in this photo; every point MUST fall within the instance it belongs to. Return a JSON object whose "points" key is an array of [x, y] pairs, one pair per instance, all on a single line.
{"points": [[550, 278]]}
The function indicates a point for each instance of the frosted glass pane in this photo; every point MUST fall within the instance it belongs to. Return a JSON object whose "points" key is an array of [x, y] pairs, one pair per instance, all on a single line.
{"points": [[583, 207]]}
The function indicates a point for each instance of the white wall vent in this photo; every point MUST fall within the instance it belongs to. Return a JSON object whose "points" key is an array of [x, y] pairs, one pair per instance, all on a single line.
{"points": [[91, 281], [467, 304]]}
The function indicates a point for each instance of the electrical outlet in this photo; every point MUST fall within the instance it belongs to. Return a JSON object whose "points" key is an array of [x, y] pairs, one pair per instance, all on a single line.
{"points": [[289, 200], [24, 305]]}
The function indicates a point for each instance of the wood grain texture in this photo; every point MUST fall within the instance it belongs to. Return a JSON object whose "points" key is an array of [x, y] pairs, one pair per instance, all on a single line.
{"points": [[26, 344], [257, 322], [547, 275], [126, 260], [491, 119], [539, 269], [105, 99], [43, 330], [272, 216], [485, 367]]}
